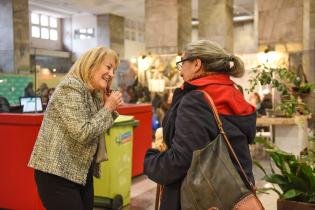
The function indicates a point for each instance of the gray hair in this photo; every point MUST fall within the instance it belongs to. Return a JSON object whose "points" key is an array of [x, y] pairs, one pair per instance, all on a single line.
{"points": [[214, 58]]}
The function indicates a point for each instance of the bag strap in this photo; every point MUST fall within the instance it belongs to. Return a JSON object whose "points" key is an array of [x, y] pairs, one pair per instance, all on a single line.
{"points": [[157, 197], [221, 130]]}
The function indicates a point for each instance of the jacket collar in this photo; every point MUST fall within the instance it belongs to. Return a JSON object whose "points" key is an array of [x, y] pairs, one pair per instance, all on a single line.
{"points": [[222, 79]]}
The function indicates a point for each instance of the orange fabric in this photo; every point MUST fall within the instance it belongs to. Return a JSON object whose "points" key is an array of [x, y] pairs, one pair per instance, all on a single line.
{"points": [[227, 98]]}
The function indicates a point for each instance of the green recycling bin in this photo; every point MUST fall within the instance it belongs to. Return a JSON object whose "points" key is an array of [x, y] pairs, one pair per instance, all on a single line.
{"points": [[112, 190]]}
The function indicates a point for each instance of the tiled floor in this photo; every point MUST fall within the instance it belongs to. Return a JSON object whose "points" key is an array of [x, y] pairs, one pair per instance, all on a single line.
{"points": [[143, 190]]}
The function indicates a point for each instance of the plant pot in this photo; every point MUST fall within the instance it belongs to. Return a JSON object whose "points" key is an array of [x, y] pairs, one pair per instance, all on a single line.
{"points": [[294, 205]]}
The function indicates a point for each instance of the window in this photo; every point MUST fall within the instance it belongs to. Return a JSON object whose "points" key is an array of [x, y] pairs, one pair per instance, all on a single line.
{"points": [[53, 34], [134, 30], [44, 33], [44, 20], [35, 18], [35, 32], [44, 27], [90, 31], [53, 22], [84, 33]]}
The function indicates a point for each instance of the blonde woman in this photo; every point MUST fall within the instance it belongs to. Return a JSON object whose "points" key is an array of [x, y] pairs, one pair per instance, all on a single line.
{"points": [[70, 143], [189, 124]]}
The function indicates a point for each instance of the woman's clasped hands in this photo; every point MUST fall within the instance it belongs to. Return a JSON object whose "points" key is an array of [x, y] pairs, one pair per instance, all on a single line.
{"points": [[113, 100]]}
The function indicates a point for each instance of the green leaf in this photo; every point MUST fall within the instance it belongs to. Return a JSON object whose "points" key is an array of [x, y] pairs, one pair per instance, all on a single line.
{"points": [[259, 166], [264, 141], [275, 82], [293, 166], [298, 182], [307, 170], [297, 81], [276, 179], [277, 159], [292, 193], [271, 167], [281, 153], [309, 175], [285, 169], [266, 189]]}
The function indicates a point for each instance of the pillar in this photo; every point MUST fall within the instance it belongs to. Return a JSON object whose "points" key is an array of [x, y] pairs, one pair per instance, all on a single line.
{"points": [[14, 33], [167, 25], [110, 32], [280, 24], [309, 39], [216, 22]]}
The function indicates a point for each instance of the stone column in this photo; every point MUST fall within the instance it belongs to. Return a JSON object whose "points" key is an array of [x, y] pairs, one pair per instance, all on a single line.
{"points": [[66, 30], [6, 34], [280, 23], [167, 25], [309, 39], [14, 33], [309, 52], [289, 26], [216, 22], [110, 32]]}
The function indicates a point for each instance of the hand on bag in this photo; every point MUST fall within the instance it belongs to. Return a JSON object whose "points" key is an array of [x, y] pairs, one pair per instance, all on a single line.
{"points": [[113, 100], [159, 141]]}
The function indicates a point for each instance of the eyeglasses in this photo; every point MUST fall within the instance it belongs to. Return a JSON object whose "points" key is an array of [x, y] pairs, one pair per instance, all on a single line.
{"points": [[179, 64]]}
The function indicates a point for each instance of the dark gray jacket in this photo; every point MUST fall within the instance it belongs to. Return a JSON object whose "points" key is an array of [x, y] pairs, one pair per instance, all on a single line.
{"points": [[189, 125]]}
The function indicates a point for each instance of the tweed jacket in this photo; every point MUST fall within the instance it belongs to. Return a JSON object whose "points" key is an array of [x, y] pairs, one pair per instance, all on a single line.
{"points": [[74, 122]]}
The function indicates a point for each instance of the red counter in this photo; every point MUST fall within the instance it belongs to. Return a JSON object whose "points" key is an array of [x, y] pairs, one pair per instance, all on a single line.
{"points": [[18, 133], [17, 137], [142, 134]]}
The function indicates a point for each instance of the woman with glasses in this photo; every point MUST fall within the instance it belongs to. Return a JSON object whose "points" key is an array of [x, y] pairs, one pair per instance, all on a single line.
{"points": [[189, 124]]}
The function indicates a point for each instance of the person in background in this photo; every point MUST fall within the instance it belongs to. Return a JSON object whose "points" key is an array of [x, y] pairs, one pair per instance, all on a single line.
{"points": [[255, 100], [132, 97], [164, 106], [43, 92], [261, 105], [143, 94], [4, 104], [70, 144], [265, 104], [28, 90], [189, 124], [50, 93]]}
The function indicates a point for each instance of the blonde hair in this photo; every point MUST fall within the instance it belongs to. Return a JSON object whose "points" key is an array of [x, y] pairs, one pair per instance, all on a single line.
{"points": [[85, 66], [214, 58]]}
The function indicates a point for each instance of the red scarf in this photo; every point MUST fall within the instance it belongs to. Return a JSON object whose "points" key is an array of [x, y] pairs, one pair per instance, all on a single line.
{"points": [[227, 98]]}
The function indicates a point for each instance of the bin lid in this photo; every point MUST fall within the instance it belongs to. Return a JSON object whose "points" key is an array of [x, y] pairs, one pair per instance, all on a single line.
{"points": [[125, 120]]}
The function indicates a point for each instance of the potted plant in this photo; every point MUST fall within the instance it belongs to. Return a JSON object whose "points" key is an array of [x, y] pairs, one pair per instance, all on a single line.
{"points": [[311, 137], [293, 179], [291, 86]]}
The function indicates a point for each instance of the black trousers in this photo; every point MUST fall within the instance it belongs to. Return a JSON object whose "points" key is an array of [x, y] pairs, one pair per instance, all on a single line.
{"points": [[57, 193]]}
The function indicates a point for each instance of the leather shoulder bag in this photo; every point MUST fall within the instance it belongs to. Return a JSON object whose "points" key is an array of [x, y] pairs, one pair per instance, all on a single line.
{"points": [[212, 181]]}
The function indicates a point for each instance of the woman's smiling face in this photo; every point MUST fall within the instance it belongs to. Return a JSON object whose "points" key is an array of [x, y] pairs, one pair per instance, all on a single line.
{"points": [[102, 76]]}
